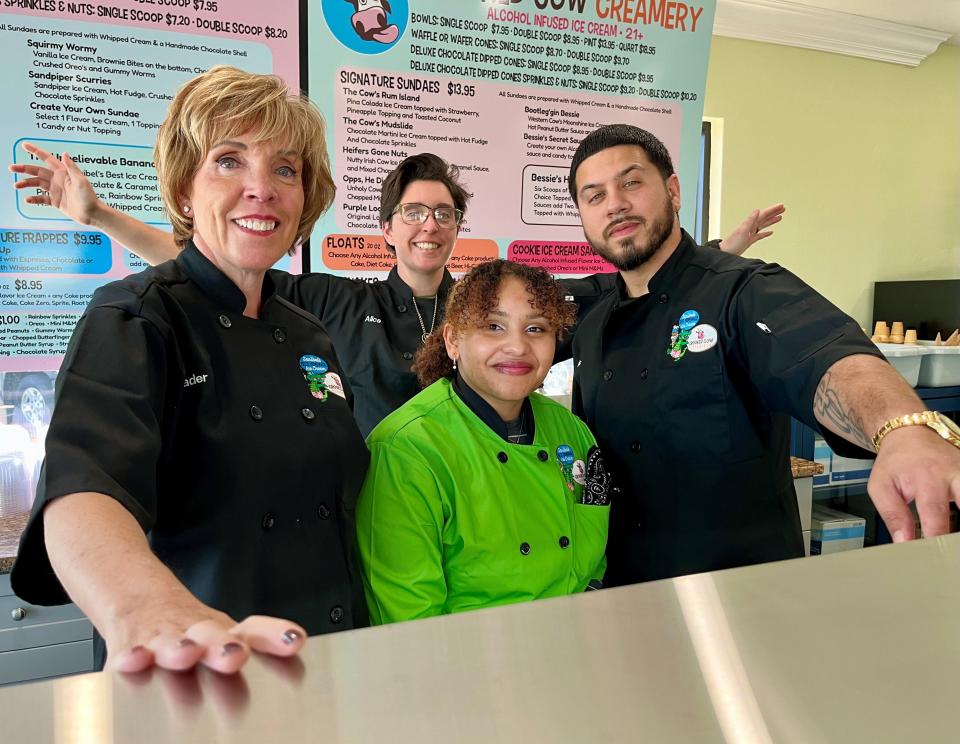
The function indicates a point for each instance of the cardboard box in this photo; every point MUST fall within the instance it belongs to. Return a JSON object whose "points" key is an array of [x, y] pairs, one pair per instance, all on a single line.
{"points": [[833, 531], [838, 470]]}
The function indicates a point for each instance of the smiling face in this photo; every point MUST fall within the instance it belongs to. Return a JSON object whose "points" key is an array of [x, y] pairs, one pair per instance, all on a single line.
{"points": [[627, 208], [245, 201], [506, 358], [422, 250]]}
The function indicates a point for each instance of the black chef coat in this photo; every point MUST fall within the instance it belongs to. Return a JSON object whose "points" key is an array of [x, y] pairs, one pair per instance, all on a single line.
{"points": [[587, 291], [201, 423], [375, 329], [700, 445]]}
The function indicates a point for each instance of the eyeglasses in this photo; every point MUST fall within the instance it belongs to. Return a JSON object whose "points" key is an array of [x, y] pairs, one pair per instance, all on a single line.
{"points": [[416, 214]]}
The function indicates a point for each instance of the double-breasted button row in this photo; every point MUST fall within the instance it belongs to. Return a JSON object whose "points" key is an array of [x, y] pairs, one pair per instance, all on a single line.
{"points": [[279, 335], [256, 413], [542, 456], [336, 614], [563, 542], [407, 355], [269, 520], [401, 308]]}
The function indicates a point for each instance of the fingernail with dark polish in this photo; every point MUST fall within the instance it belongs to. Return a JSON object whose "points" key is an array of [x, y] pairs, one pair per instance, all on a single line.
{"points": [[291, 637], [185, 642], [231, 648]]}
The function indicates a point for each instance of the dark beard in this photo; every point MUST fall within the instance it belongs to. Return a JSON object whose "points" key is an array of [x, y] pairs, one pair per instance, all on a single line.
{"points": [[632, 255]]}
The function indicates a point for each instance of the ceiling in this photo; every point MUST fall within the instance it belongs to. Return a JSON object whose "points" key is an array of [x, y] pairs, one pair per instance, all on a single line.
{"points": [[899, 31], [936, 15]]}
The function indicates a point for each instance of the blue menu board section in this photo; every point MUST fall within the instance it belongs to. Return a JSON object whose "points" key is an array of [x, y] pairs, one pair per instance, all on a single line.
{"points": [[54, 252]]}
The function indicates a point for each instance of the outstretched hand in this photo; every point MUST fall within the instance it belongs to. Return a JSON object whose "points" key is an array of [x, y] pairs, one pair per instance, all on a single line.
{"points": [[66, 186], [915, 466], [215, 641], [752, 229]]}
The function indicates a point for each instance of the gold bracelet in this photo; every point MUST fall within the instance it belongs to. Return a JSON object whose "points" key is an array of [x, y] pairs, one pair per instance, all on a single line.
{"points": [[943, 426]]}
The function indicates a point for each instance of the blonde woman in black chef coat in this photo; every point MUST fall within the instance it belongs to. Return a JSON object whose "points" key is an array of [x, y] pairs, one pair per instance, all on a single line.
{"points": [[202, 459]]}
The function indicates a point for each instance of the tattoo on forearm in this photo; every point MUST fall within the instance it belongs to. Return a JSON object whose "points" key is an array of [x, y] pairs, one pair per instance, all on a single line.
{"points": [[828, 409]]}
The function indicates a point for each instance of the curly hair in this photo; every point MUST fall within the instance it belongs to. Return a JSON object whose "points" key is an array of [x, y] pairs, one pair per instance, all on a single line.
{"points": [[475, 296]]}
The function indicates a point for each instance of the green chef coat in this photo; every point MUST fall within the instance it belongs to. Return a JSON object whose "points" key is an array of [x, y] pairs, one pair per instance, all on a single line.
{"points": [[451, 517]]}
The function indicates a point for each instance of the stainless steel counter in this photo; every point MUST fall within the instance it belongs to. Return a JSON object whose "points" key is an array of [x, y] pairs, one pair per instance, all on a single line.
{"points": [[855, 647]]}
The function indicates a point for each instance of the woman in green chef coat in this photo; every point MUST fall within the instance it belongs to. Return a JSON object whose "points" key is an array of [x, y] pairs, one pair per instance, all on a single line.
{"points": [[482, 492]]}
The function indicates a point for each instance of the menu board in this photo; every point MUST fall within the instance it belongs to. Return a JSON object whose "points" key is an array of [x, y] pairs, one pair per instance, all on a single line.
{"points": [[506, 91]]}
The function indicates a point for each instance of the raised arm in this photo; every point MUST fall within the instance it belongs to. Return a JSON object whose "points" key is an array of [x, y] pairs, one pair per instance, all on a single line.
{"points": [[855, 398], [69, 190], [753, 228]]}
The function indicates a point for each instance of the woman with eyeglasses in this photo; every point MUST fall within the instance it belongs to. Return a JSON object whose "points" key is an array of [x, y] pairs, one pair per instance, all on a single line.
{"points": [[377, 327]]}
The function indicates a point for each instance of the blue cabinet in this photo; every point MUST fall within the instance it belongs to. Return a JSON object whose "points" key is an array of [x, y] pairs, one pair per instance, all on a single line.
{"points": [[41, 642]]}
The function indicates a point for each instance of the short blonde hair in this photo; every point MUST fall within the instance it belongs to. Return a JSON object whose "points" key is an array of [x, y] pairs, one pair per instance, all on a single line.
{"points": [[224, 102]]}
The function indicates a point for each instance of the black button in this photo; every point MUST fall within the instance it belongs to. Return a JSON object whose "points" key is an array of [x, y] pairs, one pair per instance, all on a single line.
{"points": [[336, 614], [407, 355], [225, 321], [525, 548], [663, 298], [255, 413], [323, 511], [542, 456], [564, 542], [608, 374], [307, 414], [634, 446], [644, 373], [279, 335], [401, 308], [268, 521], [502, 456]]}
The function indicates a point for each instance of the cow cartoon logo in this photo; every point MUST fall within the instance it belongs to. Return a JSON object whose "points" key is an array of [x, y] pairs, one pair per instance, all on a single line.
{"points": [[370, 21], [367, 26]]}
